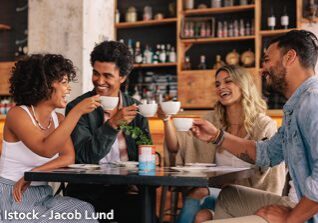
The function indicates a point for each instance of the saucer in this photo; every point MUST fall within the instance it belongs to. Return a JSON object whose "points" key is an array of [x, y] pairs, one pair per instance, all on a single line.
{"points": [[190, 168], [84, 166]]}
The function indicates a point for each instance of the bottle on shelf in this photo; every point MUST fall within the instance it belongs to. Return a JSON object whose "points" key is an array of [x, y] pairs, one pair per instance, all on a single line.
{"points": [[163, 54], [187, 63], [202, 64], [191, 29], [231, 30], [147, 55], [130, 47], [202, 30], [271, 20], [172, 55], [243, 2], [284, 19], [228, 3], [138, 54], [218, 62], [236, 28], [136, 95], [247, 28], [216, 3], [117, 16], [158, 95], [220, 29], [242, 28], [225, 30]]}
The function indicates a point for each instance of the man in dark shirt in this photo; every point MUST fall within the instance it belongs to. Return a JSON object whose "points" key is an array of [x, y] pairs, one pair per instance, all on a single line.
{"points": [[97, 138]]}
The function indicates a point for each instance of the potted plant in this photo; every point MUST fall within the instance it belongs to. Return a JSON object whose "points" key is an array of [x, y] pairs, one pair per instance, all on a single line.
{"points": [[146, 149]]}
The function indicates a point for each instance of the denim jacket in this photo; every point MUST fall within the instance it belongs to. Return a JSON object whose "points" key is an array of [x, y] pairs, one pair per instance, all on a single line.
{"points": [[296, 142]]}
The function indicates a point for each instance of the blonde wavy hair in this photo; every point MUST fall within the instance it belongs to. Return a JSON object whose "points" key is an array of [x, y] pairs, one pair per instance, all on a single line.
{"points": [[252, 102]]}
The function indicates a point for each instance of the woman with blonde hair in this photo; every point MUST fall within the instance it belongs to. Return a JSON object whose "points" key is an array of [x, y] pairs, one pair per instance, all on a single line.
{"points": [[239, 110]]}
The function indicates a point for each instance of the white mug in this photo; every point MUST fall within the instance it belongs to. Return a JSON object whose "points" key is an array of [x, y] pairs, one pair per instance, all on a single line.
{"points": [[183, 124], [170, 107], [109, 103], [148, 110]]}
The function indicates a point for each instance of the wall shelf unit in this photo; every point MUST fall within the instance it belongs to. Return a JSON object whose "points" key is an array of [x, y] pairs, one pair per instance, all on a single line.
{"points": [[124, 25], [208, 11], [255, 13]]}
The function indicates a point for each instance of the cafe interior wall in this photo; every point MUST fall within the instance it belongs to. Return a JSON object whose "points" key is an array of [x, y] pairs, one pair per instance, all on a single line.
{"points": [[71, 28]]}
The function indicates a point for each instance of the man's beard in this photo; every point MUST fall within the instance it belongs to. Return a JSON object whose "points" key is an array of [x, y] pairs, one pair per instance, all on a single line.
{"points": [[277, 81]]}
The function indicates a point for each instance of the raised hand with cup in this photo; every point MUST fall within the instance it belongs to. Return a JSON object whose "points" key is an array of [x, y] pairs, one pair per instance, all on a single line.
{"points": [[165, 110], [123, 115]]}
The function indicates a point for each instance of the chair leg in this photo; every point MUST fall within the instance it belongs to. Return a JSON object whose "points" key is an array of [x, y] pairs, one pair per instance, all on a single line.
{"points": [[163, 198], [174, 205]]}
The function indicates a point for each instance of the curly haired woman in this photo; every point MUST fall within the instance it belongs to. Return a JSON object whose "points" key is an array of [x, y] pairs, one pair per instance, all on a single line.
{"points": [[241, 111], [37, 138]]}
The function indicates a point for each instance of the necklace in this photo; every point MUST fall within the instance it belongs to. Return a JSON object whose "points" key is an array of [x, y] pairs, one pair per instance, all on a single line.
{"points": [[38, 122]]}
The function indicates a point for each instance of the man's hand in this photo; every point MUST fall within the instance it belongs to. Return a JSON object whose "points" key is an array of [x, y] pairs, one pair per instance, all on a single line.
{"points": [[123, 115], [19, 188], [274, 213], [204, 130]]}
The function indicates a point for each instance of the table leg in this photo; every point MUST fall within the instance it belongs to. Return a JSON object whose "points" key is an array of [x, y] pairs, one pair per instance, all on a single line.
{"points": [[148, 204]]}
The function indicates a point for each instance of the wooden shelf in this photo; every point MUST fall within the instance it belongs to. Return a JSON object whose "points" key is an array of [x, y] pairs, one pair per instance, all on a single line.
{"points": [[124, 25], [274, 32], [216, 39], [305, 20], [238, 8], [154, 65], [4, 27], [250, 69]]}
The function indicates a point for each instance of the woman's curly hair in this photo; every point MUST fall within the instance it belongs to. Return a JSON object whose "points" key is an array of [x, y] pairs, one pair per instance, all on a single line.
{"points": [[32, 77], [114, 52]]}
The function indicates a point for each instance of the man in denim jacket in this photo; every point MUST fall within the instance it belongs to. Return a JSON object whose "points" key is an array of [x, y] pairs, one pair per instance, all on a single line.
{"points": [[288, 67]]}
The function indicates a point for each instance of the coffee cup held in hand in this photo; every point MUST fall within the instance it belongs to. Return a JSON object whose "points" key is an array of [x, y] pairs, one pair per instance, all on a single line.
{"points": [[170, 107], [109, 103], [183, 124], [148, 110]]}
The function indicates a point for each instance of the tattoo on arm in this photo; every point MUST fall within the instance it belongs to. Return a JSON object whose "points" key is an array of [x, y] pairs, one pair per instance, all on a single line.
{"points": [[246, 158]]}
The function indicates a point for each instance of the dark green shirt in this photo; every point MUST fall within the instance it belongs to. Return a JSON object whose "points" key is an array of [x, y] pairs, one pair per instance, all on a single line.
{"points": [[93, 139]]}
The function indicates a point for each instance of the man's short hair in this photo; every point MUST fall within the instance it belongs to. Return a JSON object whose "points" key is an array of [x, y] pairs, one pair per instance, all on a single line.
{"points": [[305, 43], [113, 52]]}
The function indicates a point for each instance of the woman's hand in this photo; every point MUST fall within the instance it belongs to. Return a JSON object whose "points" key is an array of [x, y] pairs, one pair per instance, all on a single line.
{"points": [[161, 114], [204, 130], [88, 104], [19, 188]]}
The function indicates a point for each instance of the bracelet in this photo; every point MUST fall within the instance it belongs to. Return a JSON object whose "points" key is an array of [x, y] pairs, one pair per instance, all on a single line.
{"points": [[166, 119], [219, 140], [212, 139]]}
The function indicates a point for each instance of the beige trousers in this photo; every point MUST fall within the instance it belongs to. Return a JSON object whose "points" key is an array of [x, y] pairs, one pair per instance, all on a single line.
{"points": [[235, 202]]}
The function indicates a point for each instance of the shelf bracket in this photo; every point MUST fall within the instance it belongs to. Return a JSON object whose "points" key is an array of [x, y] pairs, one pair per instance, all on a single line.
{"points": [[187, 46]]}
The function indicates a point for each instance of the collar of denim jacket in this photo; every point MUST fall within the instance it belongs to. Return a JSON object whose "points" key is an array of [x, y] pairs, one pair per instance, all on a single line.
{"points": [[293, 100]]}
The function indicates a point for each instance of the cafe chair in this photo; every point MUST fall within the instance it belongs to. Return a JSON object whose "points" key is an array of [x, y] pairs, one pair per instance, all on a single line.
{"points": [[174, 198]]}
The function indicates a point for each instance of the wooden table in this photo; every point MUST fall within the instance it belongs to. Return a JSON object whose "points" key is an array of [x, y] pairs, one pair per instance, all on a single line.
{"points": [[147, 181]]}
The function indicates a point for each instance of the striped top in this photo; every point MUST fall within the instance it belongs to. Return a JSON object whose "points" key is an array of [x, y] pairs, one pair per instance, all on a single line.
{"points": [[16, 158]]}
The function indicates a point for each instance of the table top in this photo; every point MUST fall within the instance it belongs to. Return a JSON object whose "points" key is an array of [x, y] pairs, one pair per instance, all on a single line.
{"points": [[106, 174]]}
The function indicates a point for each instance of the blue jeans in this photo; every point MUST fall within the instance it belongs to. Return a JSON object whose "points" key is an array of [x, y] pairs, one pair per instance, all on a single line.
{"points": [[192, 206]]}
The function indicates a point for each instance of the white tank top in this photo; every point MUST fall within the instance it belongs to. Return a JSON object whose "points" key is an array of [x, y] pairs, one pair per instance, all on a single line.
{"points": [[16, 158]]}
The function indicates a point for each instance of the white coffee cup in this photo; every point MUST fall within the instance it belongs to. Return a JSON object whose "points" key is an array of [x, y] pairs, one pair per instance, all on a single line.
{"points": [[109, 103], [170, 107], [148, 110], [183, 124]]}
